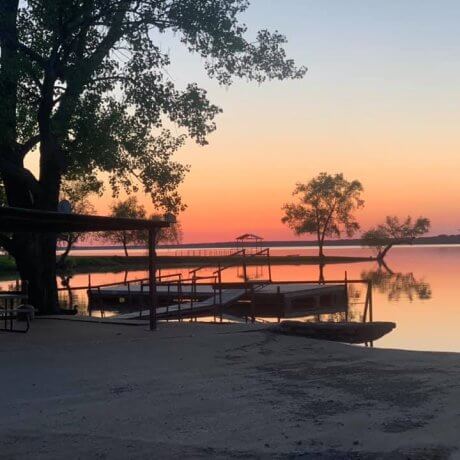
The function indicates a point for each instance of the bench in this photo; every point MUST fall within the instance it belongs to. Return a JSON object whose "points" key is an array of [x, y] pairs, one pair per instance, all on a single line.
{"points": [[9, 317]]}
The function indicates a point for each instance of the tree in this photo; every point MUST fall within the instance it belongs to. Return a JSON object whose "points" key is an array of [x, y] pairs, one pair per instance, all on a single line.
{"points": [[132, 209], [393, 232], [77, 193], [85, 84], [129, 208], [325, 208], [172, 234]]}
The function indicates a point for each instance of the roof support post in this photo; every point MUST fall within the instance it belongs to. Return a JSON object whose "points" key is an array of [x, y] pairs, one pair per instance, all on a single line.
{"points": [[153, 298]]}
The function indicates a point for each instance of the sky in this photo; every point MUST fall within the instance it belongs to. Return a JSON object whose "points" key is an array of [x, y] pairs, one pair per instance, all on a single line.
{"points": [[380, 103]]}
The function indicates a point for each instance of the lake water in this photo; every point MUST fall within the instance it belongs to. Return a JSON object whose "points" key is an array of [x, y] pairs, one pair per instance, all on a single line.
{"points": [[418, 290]]}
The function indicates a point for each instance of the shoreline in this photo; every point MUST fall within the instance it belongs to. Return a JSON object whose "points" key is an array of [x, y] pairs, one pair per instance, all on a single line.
{"points": [[190, 390], [85, 264]]}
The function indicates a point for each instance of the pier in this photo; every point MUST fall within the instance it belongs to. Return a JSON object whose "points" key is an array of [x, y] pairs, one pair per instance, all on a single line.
{"points": [[280, 299], [193, 295]]}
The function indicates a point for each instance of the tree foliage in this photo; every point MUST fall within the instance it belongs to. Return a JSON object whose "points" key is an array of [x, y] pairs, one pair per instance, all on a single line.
{"points": [[86, 84], [78, 194], [172, 234], [324, 207], [131, 209], [394, 231], [93, 90]]}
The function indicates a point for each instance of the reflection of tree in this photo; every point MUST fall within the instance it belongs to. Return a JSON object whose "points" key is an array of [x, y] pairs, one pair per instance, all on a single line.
{"points": [[397, 285], [340, 317], [321, 273]]}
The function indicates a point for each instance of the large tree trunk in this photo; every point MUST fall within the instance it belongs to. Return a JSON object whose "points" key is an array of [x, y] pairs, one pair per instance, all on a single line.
{"points": [[36, 261]]}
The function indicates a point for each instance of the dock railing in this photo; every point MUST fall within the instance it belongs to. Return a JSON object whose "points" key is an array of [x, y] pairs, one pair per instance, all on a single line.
{"points": [[178, 281]]}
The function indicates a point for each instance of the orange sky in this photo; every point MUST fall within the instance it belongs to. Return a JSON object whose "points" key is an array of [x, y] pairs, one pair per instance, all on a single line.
{"points": [[379, 103]]}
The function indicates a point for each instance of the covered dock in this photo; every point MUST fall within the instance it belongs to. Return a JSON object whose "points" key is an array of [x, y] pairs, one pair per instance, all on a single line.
{"points": [[16, 220]]}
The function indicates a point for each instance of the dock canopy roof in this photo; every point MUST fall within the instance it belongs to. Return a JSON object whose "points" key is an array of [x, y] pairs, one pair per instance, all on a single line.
{"points": [[249, 236], [30, 220]]}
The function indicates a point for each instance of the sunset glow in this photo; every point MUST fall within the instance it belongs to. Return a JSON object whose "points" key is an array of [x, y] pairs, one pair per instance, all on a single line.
{"points": [[370, 106]]}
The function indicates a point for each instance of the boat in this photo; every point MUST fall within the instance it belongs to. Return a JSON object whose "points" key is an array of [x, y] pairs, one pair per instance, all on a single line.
{"points": [[348, 332]]}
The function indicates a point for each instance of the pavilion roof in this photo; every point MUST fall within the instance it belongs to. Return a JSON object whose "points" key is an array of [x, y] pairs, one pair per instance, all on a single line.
{"points": [[30, 220], [249, 236]]}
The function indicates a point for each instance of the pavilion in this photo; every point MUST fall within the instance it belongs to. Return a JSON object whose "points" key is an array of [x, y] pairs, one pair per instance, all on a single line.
{"points": [[249, 240], [18, 220]]}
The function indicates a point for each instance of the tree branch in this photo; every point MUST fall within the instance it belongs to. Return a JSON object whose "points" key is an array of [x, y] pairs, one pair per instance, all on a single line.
{"points": [[14, 43], [23, 149], [21, 174]]}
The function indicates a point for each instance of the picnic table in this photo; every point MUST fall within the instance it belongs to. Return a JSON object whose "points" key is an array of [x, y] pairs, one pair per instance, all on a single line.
{"points": [[9, 311]]}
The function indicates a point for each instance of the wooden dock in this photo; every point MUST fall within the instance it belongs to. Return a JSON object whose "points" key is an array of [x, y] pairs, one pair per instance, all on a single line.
{"points": [[294, 296], [282, 300]]}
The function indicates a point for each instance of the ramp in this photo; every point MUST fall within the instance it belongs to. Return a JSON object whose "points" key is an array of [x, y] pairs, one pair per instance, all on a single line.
{"points": [[229, 296]]}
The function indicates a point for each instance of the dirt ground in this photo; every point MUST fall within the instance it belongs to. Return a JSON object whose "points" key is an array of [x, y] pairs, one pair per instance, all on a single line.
{"points": [[82, 390]]}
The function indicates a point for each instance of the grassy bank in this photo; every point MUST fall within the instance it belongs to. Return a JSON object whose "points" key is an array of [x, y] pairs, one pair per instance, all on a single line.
{"points": [[82, 264]]}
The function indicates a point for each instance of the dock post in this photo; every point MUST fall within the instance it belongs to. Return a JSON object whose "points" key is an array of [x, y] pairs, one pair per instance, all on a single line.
{"points": [[269, 265], [90, 296], [245, 271], [346, 296], [220, 291], [179, 293], [281, 303], [253, 305], [366, 302], [371, 313], [152, 281]]}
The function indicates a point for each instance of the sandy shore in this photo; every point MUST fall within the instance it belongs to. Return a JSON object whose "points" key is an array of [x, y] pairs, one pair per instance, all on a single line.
{"points": [[82, 390]]}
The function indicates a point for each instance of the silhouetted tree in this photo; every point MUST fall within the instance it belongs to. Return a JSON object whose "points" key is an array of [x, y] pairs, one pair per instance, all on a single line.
{"points": [[85, 84], [325, 208], [393, 232], [129, 208], [77, 193], [172, 234]]}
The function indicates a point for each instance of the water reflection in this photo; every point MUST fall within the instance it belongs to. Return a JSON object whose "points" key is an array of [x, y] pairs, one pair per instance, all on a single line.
{"points": [[398, 285], [426, 310]]}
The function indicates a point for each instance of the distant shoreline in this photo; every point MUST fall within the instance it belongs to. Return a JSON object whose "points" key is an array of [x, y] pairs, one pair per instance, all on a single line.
{"points": [[86, 264], [422, 241]]}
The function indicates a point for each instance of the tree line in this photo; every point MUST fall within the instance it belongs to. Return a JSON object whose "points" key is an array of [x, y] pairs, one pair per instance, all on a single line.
{"points": [[128, 208]]}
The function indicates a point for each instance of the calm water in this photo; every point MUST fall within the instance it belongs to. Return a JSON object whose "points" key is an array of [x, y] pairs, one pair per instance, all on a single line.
{"points": [[418, 290]]}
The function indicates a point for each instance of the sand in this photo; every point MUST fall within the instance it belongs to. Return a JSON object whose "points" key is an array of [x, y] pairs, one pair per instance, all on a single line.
{"points": [[83, 390]]}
